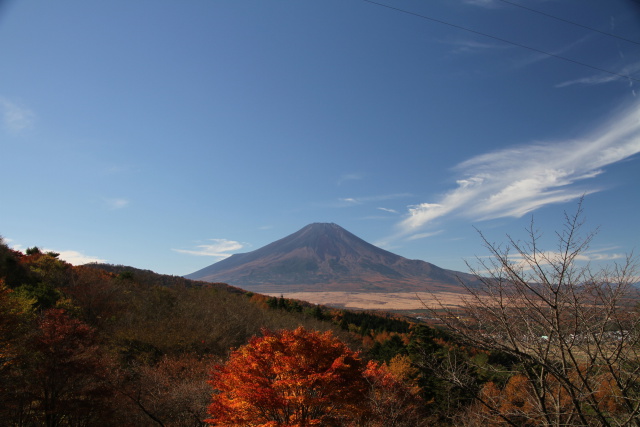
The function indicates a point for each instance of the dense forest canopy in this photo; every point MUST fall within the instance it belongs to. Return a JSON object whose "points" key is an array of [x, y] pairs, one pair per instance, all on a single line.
{"points": [[119, 345]]}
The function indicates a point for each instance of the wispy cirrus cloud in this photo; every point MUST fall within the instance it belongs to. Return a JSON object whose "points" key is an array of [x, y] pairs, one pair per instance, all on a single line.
{"points": [[15, 118], [557, 52], [469, 46], [425, 235], [547, 258], [218, 248], [603, 78], [368, 199], [388, 210], [600, 255], [518, 180]]}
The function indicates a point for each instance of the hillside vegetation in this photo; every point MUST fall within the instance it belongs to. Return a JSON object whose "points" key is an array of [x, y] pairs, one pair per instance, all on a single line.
{"points": [[114, 345]]}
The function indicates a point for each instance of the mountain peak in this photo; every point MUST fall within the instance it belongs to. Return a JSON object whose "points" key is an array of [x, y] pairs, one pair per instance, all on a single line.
{"points": [[324, 257]]}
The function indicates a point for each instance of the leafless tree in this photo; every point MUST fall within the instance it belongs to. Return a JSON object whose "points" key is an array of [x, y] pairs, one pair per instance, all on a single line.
{"points": [[572, 329]]}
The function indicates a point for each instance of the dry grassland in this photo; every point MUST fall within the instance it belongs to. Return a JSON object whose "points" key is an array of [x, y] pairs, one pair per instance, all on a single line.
{"points": [[378, 301]]}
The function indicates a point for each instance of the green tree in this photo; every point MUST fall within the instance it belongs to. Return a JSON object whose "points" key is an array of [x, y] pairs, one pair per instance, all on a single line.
{"points": [[47, 276]]}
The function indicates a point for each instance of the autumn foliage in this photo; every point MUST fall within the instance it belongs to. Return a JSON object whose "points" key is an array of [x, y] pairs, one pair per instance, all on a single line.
{"points": [[393, 401], [113, 346], [288, 378], [58, 376], [303, 378], [517, 403]]}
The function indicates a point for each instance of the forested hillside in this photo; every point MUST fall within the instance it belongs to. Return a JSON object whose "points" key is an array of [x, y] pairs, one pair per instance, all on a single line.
{"points": [[114, 345]]}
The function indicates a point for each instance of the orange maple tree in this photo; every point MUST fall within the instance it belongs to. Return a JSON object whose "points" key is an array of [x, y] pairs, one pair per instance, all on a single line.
{"points": [[516, 403], [391, 402], [305, 378], [289, 378]]}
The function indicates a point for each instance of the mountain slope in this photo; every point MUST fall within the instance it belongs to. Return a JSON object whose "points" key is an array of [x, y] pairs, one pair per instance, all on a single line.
{"points": [[326, 257]]}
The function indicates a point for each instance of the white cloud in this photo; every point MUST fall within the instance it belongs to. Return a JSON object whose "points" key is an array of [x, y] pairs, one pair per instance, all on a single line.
{"points": [[388, 210], [425, 235], [75, 258], [515, 181], [591, 80], [592, 256], [467, 46], [349, 200], [603, 78], [13, 245], [220, 248], [345, 202], [114, 204], [15, 118], [72, 257], [379, 198], [548, 257]]}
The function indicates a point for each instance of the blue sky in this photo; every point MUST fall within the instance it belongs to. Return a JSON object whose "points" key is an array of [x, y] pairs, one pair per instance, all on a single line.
{"points": [[167, 135]]}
